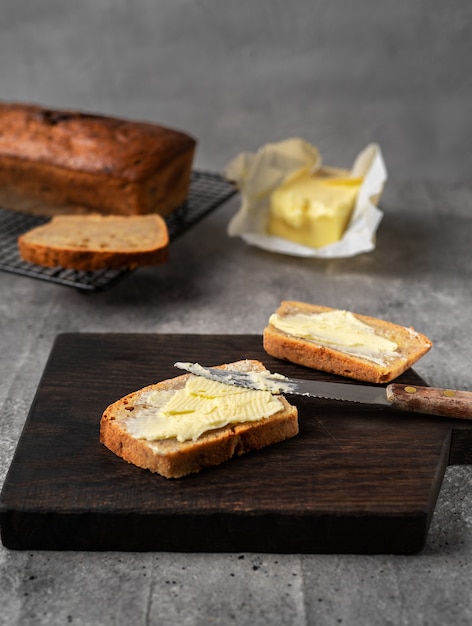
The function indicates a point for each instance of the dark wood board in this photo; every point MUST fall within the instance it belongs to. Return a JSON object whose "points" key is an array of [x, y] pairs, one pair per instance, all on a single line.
{"points": [[355, 479]]}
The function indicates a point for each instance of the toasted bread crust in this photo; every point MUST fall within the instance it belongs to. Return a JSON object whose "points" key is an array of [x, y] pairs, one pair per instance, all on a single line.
{"points": [[173, 459], [94, 242], [412, 346]]}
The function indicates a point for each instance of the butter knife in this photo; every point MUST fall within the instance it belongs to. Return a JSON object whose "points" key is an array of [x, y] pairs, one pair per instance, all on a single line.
{"points": [[404, 397]]}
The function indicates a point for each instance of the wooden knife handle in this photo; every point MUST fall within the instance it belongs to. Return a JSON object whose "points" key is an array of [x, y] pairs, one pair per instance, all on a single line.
{"points": [[430, 400]]}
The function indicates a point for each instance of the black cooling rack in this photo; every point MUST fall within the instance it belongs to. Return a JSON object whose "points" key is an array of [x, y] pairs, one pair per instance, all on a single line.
{"points": [[207, 192]]}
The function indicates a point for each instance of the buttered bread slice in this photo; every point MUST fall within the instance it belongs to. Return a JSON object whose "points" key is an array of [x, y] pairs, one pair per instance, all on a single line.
{"points": [[341, 342], [182, 425]]}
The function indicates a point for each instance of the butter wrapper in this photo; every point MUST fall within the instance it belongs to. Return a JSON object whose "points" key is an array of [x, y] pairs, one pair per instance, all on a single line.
{"points": [[258, 174]]}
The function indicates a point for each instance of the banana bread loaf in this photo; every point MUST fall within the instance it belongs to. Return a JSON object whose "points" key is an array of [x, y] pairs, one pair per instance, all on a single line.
{"points": [[55, 162]]}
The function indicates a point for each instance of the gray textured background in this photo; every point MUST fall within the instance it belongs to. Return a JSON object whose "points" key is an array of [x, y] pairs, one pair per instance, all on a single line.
{"points": [[341, 73]]}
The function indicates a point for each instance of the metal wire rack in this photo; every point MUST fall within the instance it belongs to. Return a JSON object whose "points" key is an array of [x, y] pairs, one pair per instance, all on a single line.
{"points": [[207, 192]]}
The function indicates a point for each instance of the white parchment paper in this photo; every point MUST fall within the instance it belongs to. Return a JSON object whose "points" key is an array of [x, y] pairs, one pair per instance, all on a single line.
{"points": [[257, 175]]}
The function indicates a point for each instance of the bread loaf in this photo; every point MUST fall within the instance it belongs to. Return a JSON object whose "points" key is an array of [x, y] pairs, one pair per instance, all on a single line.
{"points": [[55, 162], [351, 345], [173, 458], [94, 242]]}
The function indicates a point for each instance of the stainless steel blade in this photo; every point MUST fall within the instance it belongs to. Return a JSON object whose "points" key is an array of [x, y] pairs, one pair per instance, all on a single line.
{"points": [[347, 392], [276, 383]]}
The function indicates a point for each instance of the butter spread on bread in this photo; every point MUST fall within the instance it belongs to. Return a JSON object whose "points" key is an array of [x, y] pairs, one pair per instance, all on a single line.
{"points": [[342, 342], [341, 330], [126, 426], [200, 406]]}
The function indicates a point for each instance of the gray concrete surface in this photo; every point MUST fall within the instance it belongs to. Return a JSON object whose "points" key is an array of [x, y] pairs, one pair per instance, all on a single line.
{"points": [[237, 75]]}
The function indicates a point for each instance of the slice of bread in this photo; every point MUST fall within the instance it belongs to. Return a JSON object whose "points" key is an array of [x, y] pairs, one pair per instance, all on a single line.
{"points": [[94, 242], [320, 354], [174, 459]]}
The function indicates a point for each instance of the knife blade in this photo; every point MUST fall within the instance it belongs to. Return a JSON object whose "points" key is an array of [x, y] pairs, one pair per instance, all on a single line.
{"points": [[405, 397]]}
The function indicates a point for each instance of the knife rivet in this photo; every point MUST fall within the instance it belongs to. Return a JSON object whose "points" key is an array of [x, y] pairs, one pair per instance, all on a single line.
{"points": [[410, 389], [450, 393]]}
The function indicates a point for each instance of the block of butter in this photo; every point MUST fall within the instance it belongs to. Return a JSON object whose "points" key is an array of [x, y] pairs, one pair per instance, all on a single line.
{"points": [[313, 210], [293, 204]]}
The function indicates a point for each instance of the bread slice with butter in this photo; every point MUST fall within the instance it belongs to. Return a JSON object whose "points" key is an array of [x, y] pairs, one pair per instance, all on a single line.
{"points": [[341, 342], [184, 424], [95, 242]]}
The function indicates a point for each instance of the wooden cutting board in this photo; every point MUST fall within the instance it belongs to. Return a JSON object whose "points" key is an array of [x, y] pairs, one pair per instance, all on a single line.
{"points": [[355, 479]]}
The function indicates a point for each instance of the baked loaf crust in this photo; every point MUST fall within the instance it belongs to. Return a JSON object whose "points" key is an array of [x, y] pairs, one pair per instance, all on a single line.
{"points": [[94, 242], [173, 459], [55, 162], [411, 346]]}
